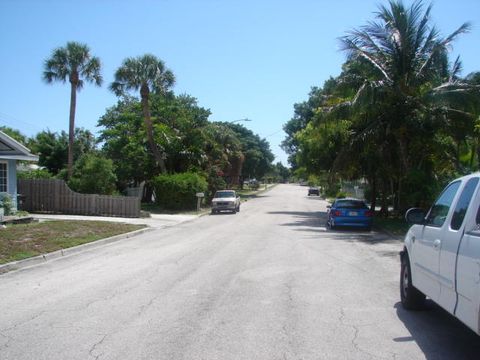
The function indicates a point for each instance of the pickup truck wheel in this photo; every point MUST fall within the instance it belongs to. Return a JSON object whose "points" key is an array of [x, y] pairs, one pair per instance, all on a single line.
{"points": [[214, 212], [411, 297]]}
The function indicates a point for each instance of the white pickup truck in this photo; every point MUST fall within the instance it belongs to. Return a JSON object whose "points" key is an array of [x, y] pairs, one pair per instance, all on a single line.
{"points": [[441, 256], [225, 200]]}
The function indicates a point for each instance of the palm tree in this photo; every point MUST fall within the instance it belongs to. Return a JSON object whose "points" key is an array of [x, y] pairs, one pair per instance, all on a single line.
{"points": [[148, 74], [75, 63], [408, 58], [408, 66]]}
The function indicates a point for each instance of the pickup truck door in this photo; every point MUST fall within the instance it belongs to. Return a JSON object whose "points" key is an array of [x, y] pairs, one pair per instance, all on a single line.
{"points": [[450, 243], [427, 243], [468, 278]]}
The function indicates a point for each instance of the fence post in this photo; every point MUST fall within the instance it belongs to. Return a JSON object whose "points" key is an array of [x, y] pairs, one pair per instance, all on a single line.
{"points": [[93, 205]]}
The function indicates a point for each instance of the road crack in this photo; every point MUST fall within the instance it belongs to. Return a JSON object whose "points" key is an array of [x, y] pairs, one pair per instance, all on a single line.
{"points": [[356, 330], [94, 348]]}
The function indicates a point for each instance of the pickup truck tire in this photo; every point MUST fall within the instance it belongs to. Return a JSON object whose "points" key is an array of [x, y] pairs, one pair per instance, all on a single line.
{"points": [[411, 297]]}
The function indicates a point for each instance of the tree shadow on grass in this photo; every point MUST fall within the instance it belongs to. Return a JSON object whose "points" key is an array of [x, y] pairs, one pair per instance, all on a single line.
{"points": [[438, 334]]}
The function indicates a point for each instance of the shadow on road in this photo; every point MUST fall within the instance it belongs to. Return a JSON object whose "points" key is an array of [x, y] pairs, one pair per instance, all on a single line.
{"points": [[252, 196], [311, 219], [315, 221], [438, 334]]}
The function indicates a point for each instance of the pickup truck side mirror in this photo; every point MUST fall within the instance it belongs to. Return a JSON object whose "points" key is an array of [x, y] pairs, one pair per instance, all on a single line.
{"points": [[415, 216]]}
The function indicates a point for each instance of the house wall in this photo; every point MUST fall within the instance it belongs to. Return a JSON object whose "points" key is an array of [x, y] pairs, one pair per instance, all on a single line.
{"points": [[12, 180]]}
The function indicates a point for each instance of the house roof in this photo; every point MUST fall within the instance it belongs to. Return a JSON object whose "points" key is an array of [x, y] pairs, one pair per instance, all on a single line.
{"points": [[10, 149]]}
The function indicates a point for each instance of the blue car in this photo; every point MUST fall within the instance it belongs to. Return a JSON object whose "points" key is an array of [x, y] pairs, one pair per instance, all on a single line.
{"points": [[349, 212]]}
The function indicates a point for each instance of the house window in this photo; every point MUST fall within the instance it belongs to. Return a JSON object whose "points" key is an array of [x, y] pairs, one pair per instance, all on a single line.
{"points": [[3, 177]]}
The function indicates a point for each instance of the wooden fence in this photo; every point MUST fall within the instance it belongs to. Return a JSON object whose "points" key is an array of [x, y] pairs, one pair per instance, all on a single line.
{"points": [[54, 196]]}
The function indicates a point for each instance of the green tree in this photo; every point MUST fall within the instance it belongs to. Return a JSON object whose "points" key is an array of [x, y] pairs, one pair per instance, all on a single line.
{"points": [[402, 63], [52, 150], [148, 74], [124, 141], [52, 147], [15, 134], [75, 63], [181, 134], [279, 173], [181, 131], [93, 174], [256, 151]]}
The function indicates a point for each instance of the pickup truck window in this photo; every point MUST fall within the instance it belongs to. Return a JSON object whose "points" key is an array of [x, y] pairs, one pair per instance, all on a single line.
{"points": [[439, 211], [476, 230], [224, 194], [463, 202]]}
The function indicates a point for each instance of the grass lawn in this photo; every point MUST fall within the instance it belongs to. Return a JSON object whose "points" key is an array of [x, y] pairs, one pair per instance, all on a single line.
{"points": [[22, 241], [247, 193]]}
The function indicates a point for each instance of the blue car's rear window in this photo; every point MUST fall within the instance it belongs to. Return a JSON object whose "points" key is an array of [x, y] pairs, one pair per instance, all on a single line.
{"points": [[350, 204]]}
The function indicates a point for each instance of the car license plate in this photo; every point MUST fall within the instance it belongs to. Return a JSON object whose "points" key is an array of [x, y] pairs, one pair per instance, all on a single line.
{"points": [[353, 213]]}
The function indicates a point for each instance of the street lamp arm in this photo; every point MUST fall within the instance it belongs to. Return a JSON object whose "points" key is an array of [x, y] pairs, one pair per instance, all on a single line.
{"points": [[239, 120]]}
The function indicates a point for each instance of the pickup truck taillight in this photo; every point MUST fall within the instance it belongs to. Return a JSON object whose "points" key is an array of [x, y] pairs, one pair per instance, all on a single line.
{"points": [[336, 213]]}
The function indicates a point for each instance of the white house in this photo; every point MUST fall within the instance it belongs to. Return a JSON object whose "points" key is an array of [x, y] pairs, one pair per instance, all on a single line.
{"points": [[11, 151]]}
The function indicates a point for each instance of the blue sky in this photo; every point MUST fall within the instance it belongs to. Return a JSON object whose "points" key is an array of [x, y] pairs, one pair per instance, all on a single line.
{"points": [[240, 59]]}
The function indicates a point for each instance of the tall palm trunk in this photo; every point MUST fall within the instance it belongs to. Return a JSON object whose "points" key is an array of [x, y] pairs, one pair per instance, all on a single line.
{"points": [[71, 124], [144, 92]]}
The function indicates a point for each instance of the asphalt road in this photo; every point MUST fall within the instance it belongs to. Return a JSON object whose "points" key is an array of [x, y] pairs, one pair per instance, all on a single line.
{"points": [[267, 283]]}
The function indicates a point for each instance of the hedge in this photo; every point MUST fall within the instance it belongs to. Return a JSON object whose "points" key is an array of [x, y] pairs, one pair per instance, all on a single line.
{"points": [[178, 191]]}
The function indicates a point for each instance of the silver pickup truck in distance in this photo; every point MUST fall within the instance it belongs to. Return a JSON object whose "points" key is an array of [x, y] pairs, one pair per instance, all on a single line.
{"points": [[226, 200]]}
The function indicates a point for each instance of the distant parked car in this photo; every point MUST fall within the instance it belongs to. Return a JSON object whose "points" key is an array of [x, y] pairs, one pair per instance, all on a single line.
{"points": [[349, 212], [225, 200], [313, 190]]}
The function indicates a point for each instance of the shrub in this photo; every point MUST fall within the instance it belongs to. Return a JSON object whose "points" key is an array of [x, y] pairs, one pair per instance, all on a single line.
{"points": [[93, 174], [215, 183], [6, 203], [34, 174], [341, 195], [313, 180], [177, 191]]}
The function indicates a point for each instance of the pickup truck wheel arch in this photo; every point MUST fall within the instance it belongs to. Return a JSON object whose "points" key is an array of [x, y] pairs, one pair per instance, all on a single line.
{"points": [[411, 297]]}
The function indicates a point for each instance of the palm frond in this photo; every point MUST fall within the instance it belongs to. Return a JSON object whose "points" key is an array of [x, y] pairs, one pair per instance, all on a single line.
{"points": [[350, 45]]}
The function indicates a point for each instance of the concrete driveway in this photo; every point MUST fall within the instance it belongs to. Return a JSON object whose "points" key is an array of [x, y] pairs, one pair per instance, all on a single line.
{"points": [[156, 221]]}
